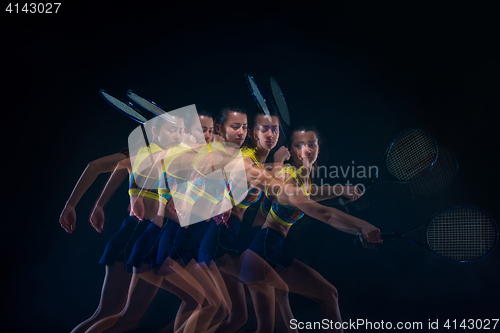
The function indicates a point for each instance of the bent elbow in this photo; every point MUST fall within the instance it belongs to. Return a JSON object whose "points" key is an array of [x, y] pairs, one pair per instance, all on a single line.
{"points": [[93, 167]]}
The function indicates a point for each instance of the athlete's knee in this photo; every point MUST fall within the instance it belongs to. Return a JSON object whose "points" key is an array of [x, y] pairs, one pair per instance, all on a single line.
{"points": [[190, 303], [126, 323], [214, 299], [226, 303], [107, 311], [212, 308], [331, 294], [236, 320], [281, 296], [221, 314]]}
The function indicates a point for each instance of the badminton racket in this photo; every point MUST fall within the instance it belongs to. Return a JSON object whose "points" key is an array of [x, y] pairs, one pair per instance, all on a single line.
{"points": [[257, 95], [458, 234], [442, 175], [411, 155], [130, 111], [279, 103]]}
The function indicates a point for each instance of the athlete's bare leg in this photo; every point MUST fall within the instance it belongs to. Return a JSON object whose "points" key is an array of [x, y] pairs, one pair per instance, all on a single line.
{"points": [[113, 296]]}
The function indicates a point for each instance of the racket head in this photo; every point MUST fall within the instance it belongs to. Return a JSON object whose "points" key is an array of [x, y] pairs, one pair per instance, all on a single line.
{"points": [[280, 108], [257, 95], [150, 106], [279, 101], [411, 155], [124, 107], [462, 234], [443, 174]]}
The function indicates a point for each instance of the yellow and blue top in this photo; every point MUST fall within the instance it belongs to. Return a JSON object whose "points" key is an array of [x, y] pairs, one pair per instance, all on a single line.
{"points": [[286, 214]]}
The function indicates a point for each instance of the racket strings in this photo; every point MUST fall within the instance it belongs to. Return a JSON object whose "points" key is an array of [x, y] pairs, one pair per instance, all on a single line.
{"points": [[280, 101], [151, 106], [442, 174], [411, 155], [462, 234], [258, 95], [125, 108]]}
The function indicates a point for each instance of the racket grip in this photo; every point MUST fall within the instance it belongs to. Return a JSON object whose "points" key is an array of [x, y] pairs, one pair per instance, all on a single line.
{"points": [[360, 240], [343, 202], [145, 135], [392, 236], [360, 204], [284, 136]]}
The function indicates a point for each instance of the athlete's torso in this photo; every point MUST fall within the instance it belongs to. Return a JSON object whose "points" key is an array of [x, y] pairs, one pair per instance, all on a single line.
{"points": [[282, 216]]}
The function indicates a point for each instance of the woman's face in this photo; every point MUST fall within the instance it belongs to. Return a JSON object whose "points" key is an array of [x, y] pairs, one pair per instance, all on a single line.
{"points": [[204, 132], [170, 134], [266, 131], [207, 126], [235, 127], [305, 148]]}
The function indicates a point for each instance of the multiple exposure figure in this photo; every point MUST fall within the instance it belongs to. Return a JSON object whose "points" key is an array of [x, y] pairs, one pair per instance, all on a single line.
{"points": [[189, 191]]}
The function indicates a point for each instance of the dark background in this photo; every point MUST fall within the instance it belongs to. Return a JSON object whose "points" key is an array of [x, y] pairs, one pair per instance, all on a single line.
{"points": [[361, 71]]}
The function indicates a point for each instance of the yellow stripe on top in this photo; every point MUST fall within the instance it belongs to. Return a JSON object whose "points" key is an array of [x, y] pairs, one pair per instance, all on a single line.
{"points": [[252, 153], [172, 154], [254, 193], [191, 182], [203, 165], [295, 174], [287, 214], [140, 184], [149, 193], [142, 155]]}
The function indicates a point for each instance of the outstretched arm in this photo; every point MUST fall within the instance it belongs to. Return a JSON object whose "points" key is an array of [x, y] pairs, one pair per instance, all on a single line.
{"points": [[295, 196], [325, 192], [93, 169], [114, 181]]}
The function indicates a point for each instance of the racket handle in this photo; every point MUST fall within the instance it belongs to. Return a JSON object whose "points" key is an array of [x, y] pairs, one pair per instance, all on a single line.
{"points": [[359, 204], [145, 135], [361, 240], [392, 235], [343, 202], [284, 137], [147, 143]]}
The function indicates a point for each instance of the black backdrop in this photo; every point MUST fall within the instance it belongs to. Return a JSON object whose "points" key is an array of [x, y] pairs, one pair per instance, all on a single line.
{"points": [[361, 72]]}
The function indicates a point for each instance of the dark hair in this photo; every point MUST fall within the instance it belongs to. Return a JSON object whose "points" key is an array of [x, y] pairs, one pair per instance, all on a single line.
{"points": [[162, 119], [304, 128], [158, 121], [223, 112], [202, 111], [252, 121], [221, 117], [189, 121], [125, 151]]}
